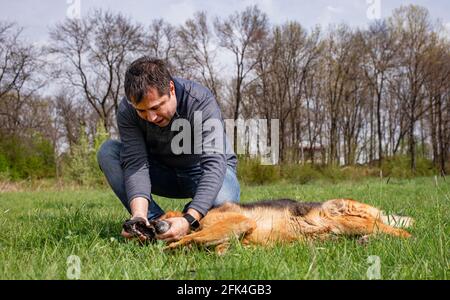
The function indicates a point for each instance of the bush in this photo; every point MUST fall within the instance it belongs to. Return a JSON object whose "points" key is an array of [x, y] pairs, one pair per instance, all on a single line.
{"points": [[300, 174], [26, 157], [4, 167], [333, 173], [82, 164], [359, 172], [400, 167], [250, 171]]}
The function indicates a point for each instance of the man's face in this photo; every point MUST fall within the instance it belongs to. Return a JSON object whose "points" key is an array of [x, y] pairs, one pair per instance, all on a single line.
{"points": [[157, 109]]}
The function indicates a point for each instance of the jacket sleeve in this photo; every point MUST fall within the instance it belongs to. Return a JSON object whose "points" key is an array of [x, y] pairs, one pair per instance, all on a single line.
{"points": [[213, 157], [133, 156]]}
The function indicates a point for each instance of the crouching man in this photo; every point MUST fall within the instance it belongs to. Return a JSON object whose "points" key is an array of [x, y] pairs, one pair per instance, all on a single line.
{"points": [[172, 144]]}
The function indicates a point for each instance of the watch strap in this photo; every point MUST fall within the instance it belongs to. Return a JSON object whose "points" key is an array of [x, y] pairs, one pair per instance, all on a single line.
{"points": [[193, 223]]}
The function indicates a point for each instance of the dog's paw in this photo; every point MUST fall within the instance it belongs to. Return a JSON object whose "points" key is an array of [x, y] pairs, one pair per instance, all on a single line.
{"points": [[364, 240], [138, 227], [160, 226]]}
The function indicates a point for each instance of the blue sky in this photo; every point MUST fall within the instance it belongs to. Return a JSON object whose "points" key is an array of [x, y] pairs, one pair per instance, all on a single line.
{"points": [[37, 16]]}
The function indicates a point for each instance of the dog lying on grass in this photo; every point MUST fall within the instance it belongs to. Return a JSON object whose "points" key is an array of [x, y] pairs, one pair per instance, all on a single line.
{"points": [[268, 222]]}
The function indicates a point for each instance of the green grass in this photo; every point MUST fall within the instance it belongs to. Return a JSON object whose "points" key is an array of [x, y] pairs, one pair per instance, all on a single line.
{"points": [[40, 230]]}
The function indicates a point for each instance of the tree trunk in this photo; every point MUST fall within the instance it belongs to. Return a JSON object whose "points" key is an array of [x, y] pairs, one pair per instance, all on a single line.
{"points": [[441, 142], [380, 134]]}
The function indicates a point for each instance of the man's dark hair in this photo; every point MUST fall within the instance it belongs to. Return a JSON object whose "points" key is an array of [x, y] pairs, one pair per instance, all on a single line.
{"points": [[144, 73]]}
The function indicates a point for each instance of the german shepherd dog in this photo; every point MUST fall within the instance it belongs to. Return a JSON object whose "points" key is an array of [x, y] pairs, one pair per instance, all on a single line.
{"points": [[285, 220]]}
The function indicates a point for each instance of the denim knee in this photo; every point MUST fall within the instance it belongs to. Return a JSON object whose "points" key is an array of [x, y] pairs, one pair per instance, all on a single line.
{"points": [[109, 151], [230, 191]]}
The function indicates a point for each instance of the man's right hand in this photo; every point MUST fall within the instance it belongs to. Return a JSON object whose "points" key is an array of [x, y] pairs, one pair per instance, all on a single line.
{"points": [[131, 236], [139, 209]]}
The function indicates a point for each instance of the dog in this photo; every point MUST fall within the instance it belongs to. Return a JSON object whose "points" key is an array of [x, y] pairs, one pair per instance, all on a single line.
{"points": [[284, 221]]}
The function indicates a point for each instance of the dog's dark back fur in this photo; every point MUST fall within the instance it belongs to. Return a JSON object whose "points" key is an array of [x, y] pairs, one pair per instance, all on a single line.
{"points": [[296, 208]]}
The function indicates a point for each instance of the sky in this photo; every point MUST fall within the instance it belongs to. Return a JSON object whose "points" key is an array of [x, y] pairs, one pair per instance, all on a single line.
{"points": [[38, 16]]}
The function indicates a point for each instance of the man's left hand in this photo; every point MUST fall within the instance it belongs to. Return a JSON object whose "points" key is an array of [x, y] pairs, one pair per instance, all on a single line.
{"points": [[179, 227]]}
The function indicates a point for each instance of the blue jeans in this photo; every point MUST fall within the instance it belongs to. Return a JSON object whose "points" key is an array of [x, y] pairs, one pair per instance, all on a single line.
{"points": [[167, 182]]}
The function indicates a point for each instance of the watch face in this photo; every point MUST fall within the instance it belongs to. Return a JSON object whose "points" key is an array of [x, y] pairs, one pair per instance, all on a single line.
{"points": [[193, 223]]}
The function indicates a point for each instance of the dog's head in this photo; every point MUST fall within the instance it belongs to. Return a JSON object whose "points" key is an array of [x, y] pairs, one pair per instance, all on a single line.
{"points": [[138, 226]]}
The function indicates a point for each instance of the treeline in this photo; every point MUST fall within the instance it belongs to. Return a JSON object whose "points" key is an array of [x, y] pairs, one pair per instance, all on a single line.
{"points": [[344, 96]]}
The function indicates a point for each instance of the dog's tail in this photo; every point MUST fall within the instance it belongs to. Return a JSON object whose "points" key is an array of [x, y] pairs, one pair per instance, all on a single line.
{"points": [[397, 221]]}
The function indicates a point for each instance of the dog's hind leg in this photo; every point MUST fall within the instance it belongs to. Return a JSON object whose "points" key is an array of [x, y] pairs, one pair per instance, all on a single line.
{"points": [[354, 225], [365, 218], [397, 221], [357, 208], [230, 225]]}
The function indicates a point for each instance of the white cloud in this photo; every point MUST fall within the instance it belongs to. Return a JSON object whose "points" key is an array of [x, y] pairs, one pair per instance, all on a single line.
{"points": [[336, 10], [328, 15]]}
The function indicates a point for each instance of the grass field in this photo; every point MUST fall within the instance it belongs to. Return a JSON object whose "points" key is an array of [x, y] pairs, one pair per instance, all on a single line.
{"points": [[40, 230]]}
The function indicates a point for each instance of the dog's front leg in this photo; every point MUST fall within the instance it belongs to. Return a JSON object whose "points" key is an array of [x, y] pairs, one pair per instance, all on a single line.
{"points": [[218, 233]]}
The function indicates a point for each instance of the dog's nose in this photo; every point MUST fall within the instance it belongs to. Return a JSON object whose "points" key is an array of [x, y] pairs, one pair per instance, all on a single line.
{"points": [[161, 226]]}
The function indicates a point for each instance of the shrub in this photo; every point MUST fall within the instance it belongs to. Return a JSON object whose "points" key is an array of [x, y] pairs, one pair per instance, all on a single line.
{"points": [[400, 166], [300, 174], [332, 173], [26, 157], [359, 172], [250, 171], [82, 164], [4, 167]]}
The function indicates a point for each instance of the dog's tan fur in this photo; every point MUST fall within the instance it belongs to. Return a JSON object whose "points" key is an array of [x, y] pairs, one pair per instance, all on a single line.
{"points": [[265, 225]]}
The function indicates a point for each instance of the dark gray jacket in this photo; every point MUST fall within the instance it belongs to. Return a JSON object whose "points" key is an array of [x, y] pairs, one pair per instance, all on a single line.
{"points": [[143, 140]]}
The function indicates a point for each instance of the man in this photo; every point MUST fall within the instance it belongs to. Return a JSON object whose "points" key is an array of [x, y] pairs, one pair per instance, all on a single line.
{"points": [[152, 157]]}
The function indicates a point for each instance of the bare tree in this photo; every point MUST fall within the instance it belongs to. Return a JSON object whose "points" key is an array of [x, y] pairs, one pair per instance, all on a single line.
{"points": [[20, 64], [92, 54], [380, 49], [283, 64], [238, 34], [437, 88], [161, 42], [197, 51], [413, 25], [338, 60], [315, 113]]}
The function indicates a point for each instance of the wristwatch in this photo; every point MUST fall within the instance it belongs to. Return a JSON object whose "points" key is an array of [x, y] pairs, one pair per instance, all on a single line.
{"points": [[193, 223]]}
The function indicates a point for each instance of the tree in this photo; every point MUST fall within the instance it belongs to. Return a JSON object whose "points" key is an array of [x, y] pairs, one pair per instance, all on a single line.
{"points": [[338, 61], [412, 24], [437, 88], [91, 55], [380, 49], [20, 80], [197, 51], [238, 34]]}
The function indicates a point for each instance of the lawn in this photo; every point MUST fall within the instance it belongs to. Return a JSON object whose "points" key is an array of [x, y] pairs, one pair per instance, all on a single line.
{"points": [[44, 234]]}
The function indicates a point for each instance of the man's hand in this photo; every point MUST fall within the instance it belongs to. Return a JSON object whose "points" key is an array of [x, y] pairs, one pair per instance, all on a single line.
{"points": [[131, 236], [139, 209], [179, 227]]}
